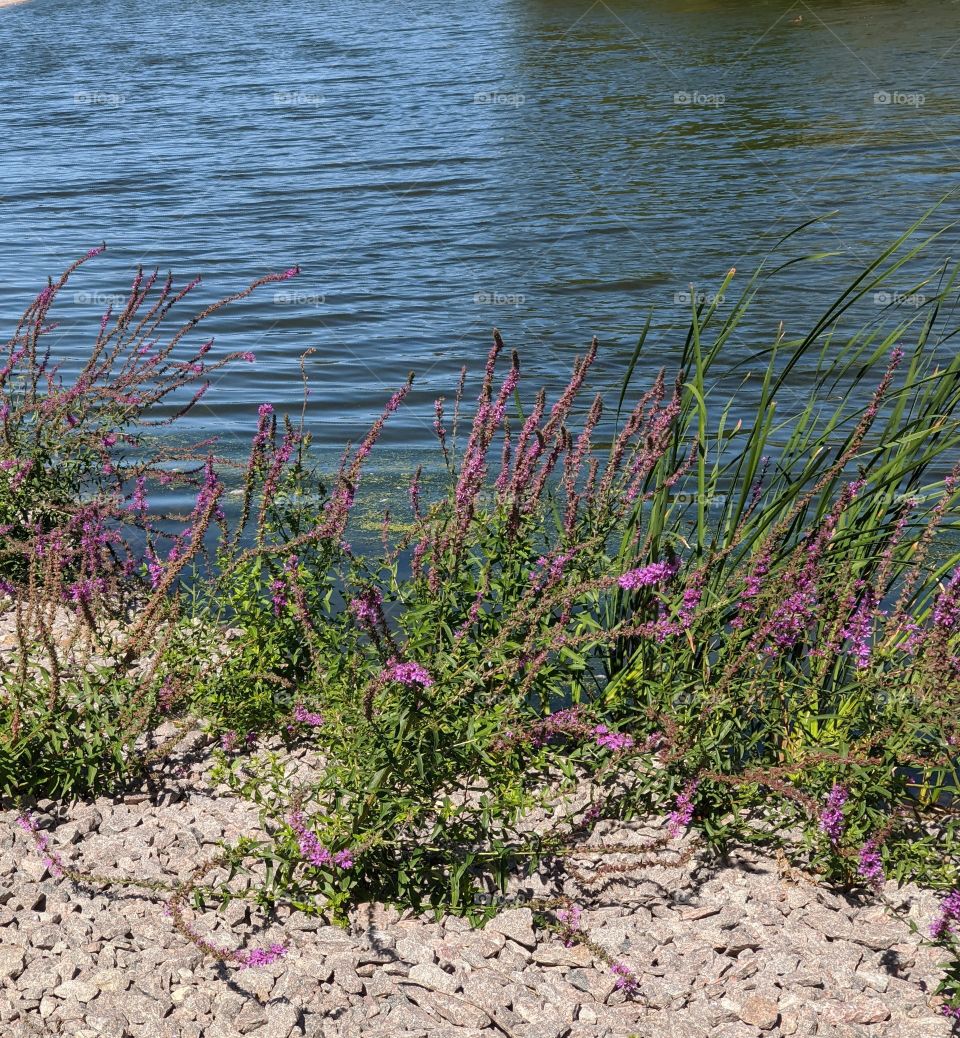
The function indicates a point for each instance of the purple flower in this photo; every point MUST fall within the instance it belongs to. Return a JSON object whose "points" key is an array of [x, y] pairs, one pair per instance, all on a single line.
{"points": [[84, 591], [626, 979], [407, 674], [138, 500], [859, 630], [612, 740], [946, 614], [831, 817], [570, 919], [261, 956], [682, 814], [304, 716], [943, 925], [249, 357], [648, 576], [278, 592], [367, 607], [42, 842], [312, 850], [870, 866]]}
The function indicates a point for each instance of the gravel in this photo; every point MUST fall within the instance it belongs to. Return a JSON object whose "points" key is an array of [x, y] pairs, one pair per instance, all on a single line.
{"points": [[735, 949]]}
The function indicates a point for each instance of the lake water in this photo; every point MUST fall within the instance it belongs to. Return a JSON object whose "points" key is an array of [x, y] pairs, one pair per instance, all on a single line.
{"points": [[553, 168]]}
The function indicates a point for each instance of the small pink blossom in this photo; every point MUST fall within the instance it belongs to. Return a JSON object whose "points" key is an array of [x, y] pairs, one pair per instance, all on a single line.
{"points": [[613, 740]]}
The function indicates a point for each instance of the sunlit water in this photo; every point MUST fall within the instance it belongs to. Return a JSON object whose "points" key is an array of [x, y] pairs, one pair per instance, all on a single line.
{"points": [[553, 168]]}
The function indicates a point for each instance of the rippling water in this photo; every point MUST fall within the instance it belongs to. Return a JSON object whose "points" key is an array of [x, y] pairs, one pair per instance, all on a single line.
{"points": [[554, 168]]}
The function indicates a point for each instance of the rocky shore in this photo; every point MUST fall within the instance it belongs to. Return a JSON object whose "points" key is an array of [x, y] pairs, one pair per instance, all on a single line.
{"points": [[742, 948]]}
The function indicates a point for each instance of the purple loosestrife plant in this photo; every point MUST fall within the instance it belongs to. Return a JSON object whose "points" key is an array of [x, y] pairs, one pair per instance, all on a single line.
{"points": [[831, 817], [947, 917], [681, 816], [870, 864]]}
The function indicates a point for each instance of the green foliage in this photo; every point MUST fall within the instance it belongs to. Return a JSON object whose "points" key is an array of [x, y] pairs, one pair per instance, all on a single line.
{"points": [[751, 624]]}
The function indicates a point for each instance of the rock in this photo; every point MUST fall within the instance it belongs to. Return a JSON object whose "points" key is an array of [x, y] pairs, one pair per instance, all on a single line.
{"points": [[283, 1020], [698, 912], [433, 978], [517, 924], [599, 985], [860, 1011], [830, 924], [413, 951], [251, 1016], [457, 1011], [81, 990], [486, 989], [878, 936], [348, 979], [514, 958], [12, 962], [759, 1012], [556, 954]]}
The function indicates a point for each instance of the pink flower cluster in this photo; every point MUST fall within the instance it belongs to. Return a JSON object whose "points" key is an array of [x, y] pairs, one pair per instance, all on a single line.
{"points": [[42, 842], [261, 956], [626, 979], [569, 918], [407, 674], [609, 740], [682, 815], [231, 741], [870, 865], [312, 850], [648, 576], [304, 716], [367, 607], [831, 817], [945, 923]]}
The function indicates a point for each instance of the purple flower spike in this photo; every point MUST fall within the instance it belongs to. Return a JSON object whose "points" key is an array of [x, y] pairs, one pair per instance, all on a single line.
{"points": [[407, 674], [612, 740], [831, 817], [945, 923], [870, 866], [648, 576], [312, 850], [305, 716], [682, 814], [626, 979], [261, 956]]}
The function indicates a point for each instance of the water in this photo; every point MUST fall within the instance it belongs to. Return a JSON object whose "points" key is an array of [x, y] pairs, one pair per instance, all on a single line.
{"points": [[555, 169]]}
